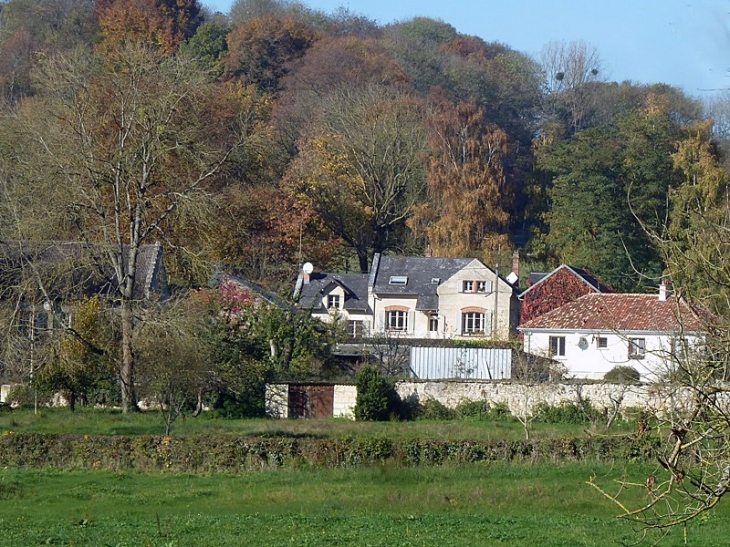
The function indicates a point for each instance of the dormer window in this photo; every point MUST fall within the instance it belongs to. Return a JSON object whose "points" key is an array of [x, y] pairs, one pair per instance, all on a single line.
{"points": [[333, 301], [398, 280]]}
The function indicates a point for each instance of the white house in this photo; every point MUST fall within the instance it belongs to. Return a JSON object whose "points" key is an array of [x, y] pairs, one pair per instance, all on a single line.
{"points": [[414, 297], [598, 331]]}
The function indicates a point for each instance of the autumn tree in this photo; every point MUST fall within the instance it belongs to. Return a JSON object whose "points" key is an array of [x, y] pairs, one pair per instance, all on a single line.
{"points": [[260, 49], [469, 194], [360, 168], [127, 145], [161, 24]]}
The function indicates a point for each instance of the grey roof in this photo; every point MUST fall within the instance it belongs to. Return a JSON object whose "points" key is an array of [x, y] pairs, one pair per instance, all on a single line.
{"points": [[71, 269], [422, 273], [355, 286]]}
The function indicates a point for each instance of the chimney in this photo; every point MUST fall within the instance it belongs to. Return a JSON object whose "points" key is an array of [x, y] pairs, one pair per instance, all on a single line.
{"points": [[664, 290], [307, 270], [516, 263], [429, 251]]}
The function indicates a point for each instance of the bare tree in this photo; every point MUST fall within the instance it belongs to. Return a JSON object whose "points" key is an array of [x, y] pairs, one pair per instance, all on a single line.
{"points": [[125, 139]]}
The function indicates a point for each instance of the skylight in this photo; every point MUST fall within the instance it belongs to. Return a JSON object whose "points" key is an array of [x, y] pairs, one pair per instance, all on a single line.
{"points": [[398, 280]]}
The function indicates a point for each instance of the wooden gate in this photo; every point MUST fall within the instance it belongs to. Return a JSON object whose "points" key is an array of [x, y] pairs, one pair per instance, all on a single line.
{"points": [[311, 401]]}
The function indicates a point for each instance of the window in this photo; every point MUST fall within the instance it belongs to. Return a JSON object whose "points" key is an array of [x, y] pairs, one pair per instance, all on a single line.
{"points": [[679, 347], [433, 323], [398, 280], [557, 346], [484, 286], [333, 301], [355, 328], [602, 342], [637, 348], [467, 286], [472, 323], [396, 320]]}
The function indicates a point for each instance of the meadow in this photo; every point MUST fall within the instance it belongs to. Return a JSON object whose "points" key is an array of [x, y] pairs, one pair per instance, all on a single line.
{"points": [[482, 503]]}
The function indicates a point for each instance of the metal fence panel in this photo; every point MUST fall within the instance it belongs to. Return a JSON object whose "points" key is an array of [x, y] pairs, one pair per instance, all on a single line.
{"points": [[435, 363]]}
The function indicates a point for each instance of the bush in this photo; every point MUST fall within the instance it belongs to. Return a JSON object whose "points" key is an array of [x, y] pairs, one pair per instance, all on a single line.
{"points": [[468, 408], [431, 409], [500, 412], [374, 395], [622, 374], [582, 413]]}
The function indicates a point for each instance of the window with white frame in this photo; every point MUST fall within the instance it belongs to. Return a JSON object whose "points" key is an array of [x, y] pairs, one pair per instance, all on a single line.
{"points": [[467, 286], [557, 346], [433, 323], [333, 301], [355, 328], [396, 320], [637, 348], [484, 286], [472, 323]]}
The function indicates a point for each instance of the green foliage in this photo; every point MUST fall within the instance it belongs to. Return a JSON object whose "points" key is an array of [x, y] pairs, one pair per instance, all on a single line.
{"points": [[431, 409], [373, 394], [580, 413], [622, 374]]}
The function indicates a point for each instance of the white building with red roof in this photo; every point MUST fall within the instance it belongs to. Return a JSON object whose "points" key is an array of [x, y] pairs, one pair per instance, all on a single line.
{"points": [[599, 331]]}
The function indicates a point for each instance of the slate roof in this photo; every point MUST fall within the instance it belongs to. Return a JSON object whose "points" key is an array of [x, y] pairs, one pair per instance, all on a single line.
{"points": [[421, 273], [620, 312], [310, 294], [588, 278], [71, 269]]}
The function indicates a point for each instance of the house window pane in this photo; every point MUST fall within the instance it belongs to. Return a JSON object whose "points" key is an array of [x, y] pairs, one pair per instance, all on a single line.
{"points": [[467, 286], [484, 286], [433, 323], [602, 342], [333, 301], [355, 328], [396, 320], [472, 323], [557, 346], [637, 348]]}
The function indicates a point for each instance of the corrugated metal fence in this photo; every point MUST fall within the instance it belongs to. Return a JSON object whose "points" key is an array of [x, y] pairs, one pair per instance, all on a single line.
{"points": [[434, 363]]}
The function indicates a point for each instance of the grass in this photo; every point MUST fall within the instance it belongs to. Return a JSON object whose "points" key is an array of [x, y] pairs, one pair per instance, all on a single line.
{"points": [[373, 506], [112, 422]]}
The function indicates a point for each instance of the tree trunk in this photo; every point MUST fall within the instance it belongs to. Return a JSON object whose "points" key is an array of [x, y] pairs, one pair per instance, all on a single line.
{"points": [[126, 372]]}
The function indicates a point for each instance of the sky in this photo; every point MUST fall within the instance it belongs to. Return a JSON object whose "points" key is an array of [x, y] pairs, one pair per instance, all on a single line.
{"points": [[684, 43]]}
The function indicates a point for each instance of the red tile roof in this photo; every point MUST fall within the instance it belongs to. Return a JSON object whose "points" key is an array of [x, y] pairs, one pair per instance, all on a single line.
{"points": [[620, 312]]}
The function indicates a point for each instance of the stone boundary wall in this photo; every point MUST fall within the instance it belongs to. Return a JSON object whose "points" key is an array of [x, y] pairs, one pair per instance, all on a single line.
{"points": [[520, 398]]}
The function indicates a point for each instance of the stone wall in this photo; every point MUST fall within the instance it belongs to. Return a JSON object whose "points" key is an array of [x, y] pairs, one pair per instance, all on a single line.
{"points": [[344, 403]]}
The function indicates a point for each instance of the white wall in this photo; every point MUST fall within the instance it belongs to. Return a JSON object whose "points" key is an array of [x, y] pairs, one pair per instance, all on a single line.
{"points": [[587, 360]]}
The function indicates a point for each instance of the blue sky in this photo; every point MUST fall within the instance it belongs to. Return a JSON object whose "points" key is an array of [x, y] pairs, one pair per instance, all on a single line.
{"points": [[685, 43]]}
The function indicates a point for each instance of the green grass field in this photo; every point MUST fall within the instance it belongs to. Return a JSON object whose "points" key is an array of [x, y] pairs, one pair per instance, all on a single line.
{"points": [[538, 505], [546, 505]]}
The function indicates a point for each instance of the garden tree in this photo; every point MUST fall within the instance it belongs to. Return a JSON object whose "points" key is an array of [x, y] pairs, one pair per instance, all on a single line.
{"points": [[373, 394], [260, 49], [159, 24], [127, 144], [570, 72], [360, 168], [243, 10], [252, 342], [469, 194], [173, 362], [80, 366]]}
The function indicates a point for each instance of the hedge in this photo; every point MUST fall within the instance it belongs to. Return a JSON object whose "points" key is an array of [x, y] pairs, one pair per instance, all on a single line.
{"points": [[203, 453]]}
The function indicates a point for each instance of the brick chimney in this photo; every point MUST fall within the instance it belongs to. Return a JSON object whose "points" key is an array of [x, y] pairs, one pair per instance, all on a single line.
{"points": [[429, 251], [307, 270], [664, 291], [516, 263]]}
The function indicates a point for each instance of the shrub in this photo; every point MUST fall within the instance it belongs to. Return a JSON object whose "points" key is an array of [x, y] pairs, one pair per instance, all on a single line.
{"points": [[374, 394], [581, 413], [500, 412], [431, 409], [622, 374], [467, 408]]}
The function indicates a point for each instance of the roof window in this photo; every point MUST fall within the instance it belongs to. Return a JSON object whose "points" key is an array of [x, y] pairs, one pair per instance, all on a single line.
{"points": [[398, 280]]}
